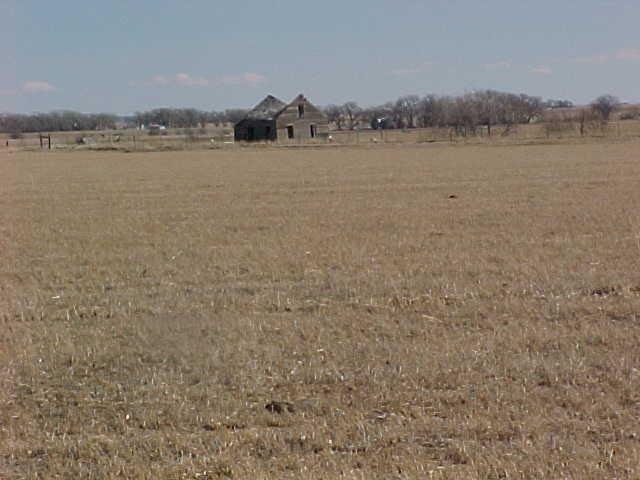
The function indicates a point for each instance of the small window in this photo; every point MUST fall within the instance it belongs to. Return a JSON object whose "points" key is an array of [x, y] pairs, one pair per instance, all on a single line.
{"points": [[300, 110], [312, 131], [290, 131]]}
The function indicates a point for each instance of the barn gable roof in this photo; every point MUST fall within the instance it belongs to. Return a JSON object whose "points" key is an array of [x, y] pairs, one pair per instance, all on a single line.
{"points": [[267, 109], [271, 108], [302, 99]]}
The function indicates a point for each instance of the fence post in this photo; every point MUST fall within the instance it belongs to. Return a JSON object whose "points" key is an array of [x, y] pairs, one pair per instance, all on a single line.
{"points": [[49, 138]]}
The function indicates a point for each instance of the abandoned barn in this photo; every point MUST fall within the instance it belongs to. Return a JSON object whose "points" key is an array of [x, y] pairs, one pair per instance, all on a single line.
{"points": [[273, 119]]}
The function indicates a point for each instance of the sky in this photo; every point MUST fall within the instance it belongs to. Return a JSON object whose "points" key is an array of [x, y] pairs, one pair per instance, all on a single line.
{"points": [[122, 56]]}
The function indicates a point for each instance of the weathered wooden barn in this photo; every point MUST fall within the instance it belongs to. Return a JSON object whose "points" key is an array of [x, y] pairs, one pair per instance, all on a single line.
{"points": [[273, 119]]}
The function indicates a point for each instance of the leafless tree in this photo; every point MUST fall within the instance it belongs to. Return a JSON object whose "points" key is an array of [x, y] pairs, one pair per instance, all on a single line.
{"points": [[234, 115], [351, 111], [488, 107], [560, 122], [528, 108], [432, 111], [631, 113], [463, 116], [604, 106], [406, 110], [334, 115], [585, 118], [64, 120]]}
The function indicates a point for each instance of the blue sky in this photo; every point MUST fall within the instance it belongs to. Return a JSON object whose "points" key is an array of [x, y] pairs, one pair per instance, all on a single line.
{"points": [[122, 56]]}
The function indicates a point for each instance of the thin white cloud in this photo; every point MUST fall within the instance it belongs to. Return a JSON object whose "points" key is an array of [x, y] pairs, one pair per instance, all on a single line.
{"points": [[179, 79], [413, 70], [7, 92], [37, 86], [501, 65], [186, 80], [632, 54], [541, 70]]}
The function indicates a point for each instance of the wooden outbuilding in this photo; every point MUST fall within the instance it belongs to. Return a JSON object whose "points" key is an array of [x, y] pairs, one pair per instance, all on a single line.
{"points": [[273, 120]]}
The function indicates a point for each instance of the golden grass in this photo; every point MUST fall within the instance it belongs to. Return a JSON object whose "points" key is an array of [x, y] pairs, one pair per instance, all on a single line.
{"points": [[409, 312]]}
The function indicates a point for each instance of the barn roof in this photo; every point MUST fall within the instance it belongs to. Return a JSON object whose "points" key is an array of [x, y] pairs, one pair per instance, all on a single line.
{"points": [[302, 99], [271, 107], [266, 109]]}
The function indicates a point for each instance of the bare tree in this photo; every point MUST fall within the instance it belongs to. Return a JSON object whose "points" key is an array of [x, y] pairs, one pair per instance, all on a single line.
{"points": [[406, 110], [529, 108], [432, 111], [604, 106], [351, 111], [334, 114], [488, 107], [234, 115], [631, 113], [64, 121], [463, 116], [558, 122]]}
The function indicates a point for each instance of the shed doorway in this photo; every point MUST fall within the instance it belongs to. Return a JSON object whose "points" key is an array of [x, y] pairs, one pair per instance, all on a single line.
{"points": [[289, 131]]}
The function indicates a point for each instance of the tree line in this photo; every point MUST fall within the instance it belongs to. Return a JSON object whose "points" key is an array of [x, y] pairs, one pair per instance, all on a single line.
{"points": [[63, 121], [187, 117], [463, 113], [67, 121]]}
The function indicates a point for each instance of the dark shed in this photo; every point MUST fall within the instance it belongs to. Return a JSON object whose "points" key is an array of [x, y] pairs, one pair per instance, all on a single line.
{"points": [[273, 119], [260, 123]]}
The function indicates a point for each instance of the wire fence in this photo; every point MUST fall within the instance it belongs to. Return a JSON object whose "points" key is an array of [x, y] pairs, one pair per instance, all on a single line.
{"points": [[215, 138], [498, 134]]}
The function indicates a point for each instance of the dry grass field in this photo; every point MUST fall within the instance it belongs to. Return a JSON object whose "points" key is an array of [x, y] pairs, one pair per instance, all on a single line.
{"points": [[216, 138], [403, 312]]}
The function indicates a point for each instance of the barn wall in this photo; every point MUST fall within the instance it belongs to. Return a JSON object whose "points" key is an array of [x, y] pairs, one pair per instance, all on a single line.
{"points": [[301, 126]]}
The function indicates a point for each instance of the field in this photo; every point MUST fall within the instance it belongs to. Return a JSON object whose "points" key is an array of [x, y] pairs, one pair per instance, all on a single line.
{"points": [[417, 311]]}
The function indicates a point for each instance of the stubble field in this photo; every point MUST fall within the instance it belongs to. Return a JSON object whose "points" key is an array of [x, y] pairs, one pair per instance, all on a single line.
{"points": [[390, 312]]}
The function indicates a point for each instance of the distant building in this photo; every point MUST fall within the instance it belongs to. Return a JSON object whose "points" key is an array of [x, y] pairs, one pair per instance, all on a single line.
{"points": [[156, 129], [272, 119]]}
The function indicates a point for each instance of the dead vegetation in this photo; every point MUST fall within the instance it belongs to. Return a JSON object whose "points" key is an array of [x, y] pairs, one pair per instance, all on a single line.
{"points": [[409, 312]]}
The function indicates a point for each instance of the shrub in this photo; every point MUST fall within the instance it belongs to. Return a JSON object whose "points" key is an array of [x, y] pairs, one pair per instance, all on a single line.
{"points": [[630, 114]]}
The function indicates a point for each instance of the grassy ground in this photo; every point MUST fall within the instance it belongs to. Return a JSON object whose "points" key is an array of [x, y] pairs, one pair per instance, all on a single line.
{"points": [[409, 312]]}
